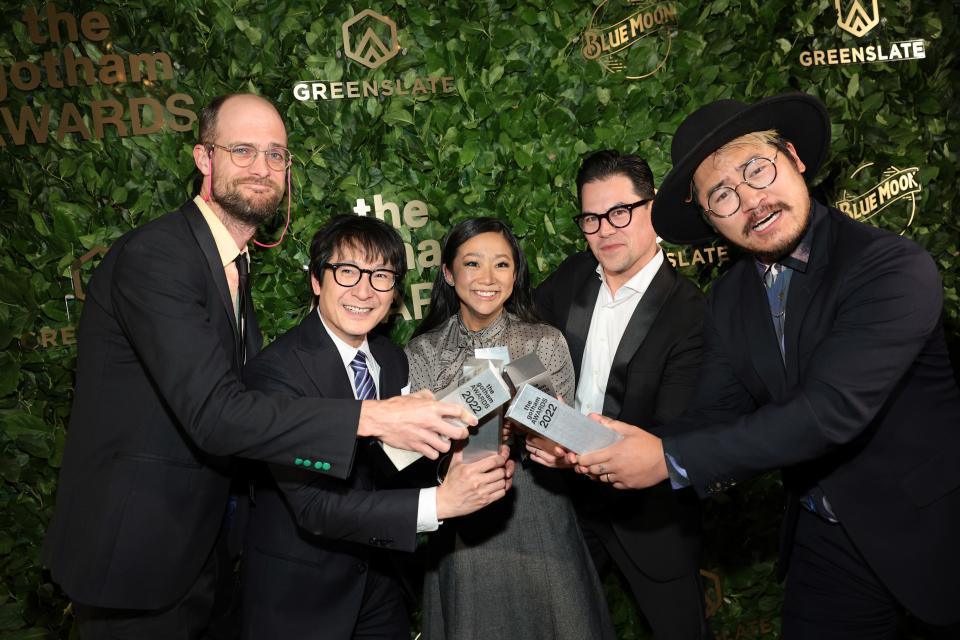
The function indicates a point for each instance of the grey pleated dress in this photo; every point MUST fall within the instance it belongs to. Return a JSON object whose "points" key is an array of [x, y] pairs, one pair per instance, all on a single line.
{"points": [[519, 568]]}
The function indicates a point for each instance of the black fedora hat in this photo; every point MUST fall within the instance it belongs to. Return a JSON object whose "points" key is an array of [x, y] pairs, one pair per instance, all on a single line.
{"points": [[800, 118]]}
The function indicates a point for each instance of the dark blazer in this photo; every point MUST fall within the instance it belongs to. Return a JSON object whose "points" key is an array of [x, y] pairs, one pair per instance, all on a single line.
{"points": [[310, 543], [651, 382], [158, 407], [866, 405]]}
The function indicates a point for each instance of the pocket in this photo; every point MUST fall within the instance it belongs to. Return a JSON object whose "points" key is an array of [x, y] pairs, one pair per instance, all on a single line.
{"points": [[149, 457]]}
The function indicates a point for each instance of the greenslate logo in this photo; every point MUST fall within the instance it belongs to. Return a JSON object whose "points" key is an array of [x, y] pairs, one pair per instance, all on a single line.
{"points": [[369, 49]]}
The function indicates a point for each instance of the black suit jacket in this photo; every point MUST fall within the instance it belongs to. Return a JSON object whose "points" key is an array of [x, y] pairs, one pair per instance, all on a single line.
{"points": [[159, 406], [651, 382], [866, 405], [311, 542]]}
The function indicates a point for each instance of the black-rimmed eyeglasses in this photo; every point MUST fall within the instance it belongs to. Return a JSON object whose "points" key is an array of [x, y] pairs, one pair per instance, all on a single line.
{"points": [[244, 155], [618, 216], [759, 173], [348, 275]]}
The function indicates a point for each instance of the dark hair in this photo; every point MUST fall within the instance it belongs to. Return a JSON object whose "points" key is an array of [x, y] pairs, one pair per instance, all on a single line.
{"points": [[606, 163], [444, 302], [208, 118], [371, 236]]}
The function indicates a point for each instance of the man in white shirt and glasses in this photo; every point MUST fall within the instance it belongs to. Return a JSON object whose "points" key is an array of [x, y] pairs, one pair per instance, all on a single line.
{"points": [[633, 327]]}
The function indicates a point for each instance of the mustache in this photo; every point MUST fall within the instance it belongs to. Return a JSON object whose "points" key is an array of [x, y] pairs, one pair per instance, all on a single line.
{"points": [[261, 182], [762, 212]]}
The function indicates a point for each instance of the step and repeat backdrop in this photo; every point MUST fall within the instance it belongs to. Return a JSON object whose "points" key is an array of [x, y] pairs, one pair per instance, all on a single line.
{"points": [[424, 114]]}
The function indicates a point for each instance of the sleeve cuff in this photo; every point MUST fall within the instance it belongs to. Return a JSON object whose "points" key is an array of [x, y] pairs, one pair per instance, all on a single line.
{"points": [[427, 511], [678, 475]]}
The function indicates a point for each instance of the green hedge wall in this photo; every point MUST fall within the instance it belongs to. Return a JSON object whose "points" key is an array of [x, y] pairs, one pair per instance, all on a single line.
{"points": [[524, 107]]}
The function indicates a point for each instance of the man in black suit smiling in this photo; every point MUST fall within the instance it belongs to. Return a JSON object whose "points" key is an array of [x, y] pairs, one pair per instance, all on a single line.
{"points": [[160, 407], [633, 326], [317, 556]]}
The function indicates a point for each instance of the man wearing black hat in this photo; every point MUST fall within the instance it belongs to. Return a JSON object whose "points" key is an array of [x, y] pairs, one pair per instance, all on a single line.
{"points": [[824, 356]]}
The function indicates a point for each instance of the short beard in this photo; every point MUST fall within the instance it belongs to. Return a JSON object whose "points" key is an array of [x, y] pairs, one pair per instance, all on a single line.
{"points": [[775, 254], [247, 211]]}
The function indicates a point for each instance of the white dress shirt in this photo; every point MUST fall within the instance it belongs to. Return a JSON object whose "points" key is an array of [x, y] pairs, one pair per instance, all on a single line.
{"points": [[611, 314], [427, 503]]}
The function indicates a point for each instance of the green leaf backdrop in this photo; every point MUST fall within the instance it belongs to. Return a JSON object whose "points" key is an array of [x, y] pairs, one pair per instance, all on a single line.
{"points": [[525, 109]]}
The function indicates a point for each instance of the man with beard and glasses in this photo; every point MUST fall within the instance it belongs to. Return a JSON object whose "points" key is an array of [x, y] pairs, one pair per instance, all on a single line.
{"points": [[824, 356], [138, 535]]}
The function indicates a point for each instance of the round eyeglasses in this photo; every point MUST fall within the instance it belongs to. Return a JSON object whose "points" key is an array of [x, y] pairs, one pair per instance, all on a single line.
{"points": [[618, 216], [244, 155], [348, 275], [759, 173]]}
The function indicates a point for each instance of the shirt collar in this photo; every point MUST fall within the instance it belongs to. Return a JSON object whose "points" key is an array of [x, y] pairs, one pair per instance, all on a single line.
{"points": [[347, 352], [226, 246], [641, 279]]}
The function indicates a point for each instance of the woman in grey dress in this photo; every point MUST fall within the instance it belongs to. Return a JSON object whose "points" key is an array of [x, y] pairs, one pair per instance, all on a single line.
{"points": [[518, 568]]}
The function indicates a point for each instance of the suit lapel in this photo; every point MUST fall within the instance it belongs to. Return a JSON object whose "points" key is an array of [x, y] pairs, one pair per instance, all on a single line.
{"points": [[320, 359], [389, 383], [803, 286], [201, 231], [635, 333], [205, 239], [579, 316]]}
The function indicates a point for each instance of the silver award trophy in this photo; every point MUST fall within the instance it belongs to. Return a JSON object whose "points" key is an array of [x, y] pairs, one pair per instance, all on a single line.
{"points": [[482, 394], [485, 438], [542, 413], [528, 370]]}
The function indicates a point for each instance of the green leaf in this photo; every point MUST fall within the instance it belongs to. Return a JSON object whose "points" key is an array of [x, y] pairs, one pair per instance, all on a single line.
{"points": [[9, 374], [853, 87], [396, 115], [11, 617]]}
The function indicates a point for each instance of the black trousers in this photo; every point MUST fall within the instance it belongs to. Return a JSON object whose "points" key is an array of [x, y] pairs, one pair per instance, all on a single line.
{"points": [[190, 618], [832, 594], [674, 609], [383, 614]]}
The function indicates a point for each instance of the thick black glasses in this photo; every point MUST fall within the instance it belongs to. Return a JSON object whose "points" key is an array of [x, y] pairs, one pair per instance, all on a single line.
{"points": [[244, 155], [758, 173], [618, 216], [348, 275]]}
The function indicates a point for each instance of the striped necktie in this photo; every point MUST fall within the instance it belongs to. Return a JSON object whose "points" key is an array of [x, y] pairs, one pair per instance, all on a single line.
{"points": [[362, 380]]}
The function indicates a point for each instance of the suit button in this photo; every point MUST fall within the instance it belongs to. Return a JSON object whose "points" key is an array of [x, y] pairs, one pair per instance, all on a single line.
{"points": [[374, 541], [307, 463], [318, 465], [298, 461], [326, 466]]}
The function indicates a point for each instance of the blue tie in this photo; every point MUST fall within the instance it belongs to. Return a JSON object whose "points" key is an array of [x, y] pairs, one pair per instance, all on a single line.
{"points": [[362, 380], [776, 279]]}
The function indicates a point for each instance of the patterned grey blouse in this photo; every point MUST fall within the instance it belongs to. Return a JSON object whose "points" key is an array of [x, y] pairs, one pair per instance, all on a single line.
{"points": [[436, 358]]}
